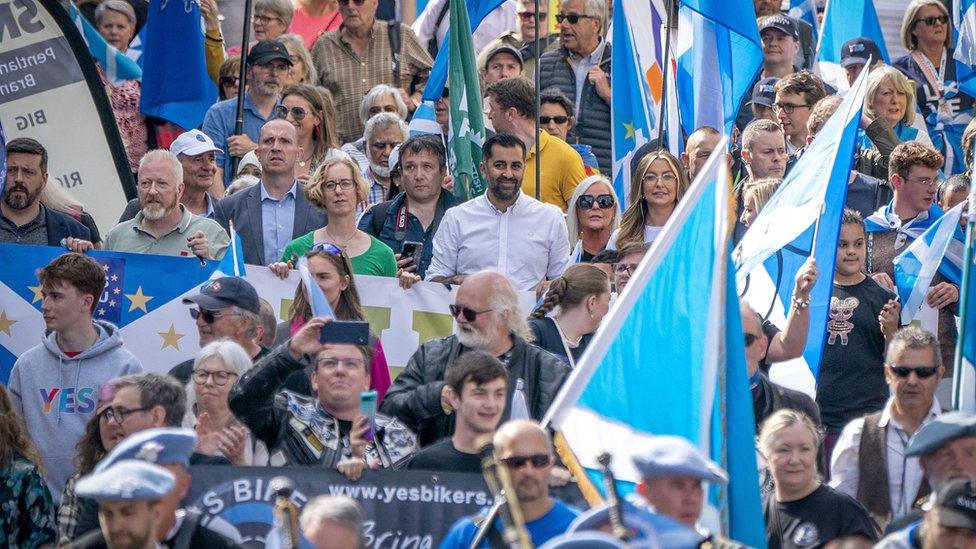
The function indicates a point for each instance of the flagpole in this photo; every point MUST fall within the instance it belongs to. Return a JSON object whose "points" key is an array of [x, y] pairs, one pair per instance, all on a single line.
{"points": [[965, 294], [538, 100], [669, 6], [242, 78]]}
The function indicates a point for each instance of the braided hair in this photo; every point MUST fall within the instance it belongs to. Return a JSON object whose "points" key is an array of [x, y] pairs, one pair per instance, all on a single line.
{"points": [[578, 283]]}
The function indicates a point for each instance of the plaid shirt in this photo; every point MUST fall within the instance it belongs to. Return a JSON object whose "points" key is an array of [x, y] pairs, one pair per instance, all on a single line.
{"points": [[350, 76]]}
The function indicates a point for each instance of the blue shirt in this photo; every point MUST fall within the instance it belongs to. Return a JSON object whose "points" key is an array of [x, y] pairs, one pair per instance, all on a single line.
{"points": [[541, 530], [277, 222], [219, 124]]}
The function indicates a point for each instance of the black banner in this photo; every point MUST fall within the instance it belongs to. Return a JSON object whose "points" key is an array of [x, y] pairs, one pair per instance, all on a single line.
{"points": [[403, 509]]}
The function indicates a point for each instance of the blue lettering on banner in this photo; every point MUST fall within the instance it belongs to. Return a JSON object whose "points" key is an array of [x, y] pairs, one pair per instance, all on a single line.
{"points": [[26, 20]]}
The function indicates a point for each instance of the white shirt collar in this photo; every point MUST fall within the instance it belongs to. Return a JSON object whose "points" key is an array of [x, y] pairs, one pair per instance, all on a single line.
{"points": [[935, 410]]}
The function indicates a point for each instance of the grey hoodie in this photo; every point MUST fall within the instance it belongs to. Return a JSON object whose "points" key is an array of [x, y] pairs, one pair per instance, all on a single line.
{"points": [[57, 395]]}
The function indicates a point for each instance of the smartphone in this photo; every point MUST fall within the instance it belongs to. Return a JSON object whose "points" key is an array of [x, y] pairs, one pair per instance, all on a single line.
{"points": [[352, 332], [367, 407], [412, 249]]}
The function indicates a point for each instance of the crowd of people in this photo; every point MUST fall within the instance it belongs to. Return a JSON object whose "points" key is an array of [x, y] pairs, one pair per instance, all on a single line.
{"points": [[327, 174]]}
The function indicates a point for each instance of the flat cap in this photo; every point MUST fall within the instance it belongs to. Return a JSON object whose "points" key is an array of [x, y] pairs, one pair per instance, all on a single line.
{"points": [[671, 456], [944, 428], [646, 528], [127, 480], [159, 446]]}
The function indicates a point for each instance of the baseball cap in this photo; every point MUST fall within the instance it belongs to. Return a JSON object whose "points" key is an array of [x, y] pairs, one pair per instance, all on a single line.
{"points": [[857, 51], [957, 504], [783, 23], [267, 51], [227, 292], [192, 143], [500, 48], [764, 92]]}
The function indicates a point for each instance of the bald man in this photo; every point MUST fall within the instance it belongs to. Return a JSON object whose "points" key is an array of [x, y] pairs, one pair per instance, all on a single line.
{"points": [[271, 214], [525, 450]]}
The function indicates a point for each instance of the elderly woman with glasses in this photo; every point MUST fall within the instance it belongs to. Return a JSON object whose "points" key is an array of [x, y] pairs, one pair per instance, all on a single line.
{"points": [[269, 21], [337, 186], [656, 186], [310, 110], [926, 32], [218, 366], [594, 213]]}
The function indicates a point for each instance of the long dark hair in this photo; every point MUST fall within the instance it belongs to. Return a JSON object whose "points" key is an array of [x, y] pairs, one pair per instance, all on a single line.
{"points": [[348, 307], [14, 438], [89, 450]]}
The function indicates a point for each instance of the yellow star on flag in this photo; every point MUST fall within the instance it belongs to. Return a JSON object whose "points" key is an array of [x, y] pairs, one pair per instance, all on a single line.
{"points": [[630, 130], [171, 338], [138, 300], [38, 296], [6, 323]]}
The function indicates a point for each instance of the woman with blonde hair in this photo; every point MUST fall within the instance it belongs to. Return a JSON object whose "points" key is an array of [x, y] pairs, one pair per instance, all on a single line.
{"points": [[800, 504], [656, 186], [302, 70], [337, 186], [56, 198], [591, 217], [580, 299], [891, 95], [926, 33], [755, 194]]}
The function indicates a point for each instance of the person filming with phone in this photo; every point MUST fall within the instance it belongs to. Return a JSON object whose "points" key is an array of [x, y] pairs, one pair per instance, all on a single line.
{"points": [[331, 429]]}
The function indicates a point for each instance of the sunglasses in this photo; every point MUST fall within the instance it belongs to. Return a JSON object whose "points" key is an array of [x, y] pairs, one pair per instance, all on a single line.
{"points": [[228, 80], [347, 2], [624, 268], [298, 113], [468, 314], [935, 19], [556, 119], [603, 201], [209, 317], [750, 339], [326, 247], [538, 461], [903, 372], [573, 18]]}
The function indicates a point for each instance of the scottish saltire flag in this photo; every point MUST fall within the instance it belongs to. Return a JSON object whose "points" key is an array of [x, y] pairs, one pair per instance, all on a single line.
{"points": [[884, 219], [916, 266], [232, 264], [176, 86], [637, 71], [118, 66], [964, 19], [142, 297], [802, 220], [966, 343], [719, 55], [842, 22], [316, 298], [674, 339], [806, 10], [467, 127]]}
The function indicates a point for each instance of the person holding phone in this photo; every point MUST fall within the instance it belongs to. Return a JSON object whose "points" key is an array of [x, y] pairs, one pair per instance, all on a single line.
{"points": [[328, 430]]}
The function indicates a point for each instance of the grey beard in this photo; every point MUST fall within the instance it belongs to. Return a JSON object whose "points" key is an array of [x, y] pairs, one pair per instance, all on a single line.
{"points": [[380, 171]]}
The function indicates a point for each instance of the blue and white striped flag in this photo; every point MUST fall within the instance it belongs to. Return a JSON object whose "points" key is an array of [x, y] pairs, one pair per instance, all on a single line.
{"points": [[232, 264], [118, 66], [673, 338], [967, 310], [316, 297], [916, 266], [964, 19], [806, 10], [844, 21]]}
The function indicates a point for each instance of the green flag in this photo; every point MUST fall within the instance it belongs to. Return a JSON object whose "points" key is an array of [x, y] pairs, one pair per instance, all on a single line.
{"points": [[467, 131]]}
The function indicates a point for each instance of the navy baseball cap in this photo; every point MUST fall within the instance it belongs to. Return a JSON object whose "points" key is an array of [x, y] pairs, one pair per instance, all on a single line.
{"points": [[764, 92], [857, 51], [227, 292], [267, 51], [782, 23]]}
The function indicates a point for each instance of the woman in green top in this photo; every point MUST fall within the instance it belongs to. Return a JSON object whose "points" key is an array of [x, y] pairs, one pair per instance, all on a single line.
{"points": [[337, 186]]}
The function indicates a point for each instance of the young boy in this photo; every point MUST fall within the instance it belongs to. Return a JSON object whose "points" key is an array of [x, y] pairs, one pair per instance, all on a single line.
{"points": [[862, 317], [55, 385]]}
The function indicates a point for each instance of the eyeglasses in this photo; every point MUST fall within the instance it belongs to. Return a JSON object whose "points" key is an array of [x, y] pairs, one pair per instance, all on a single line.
{"points": [[923, 372], [573, 18], [603, 201], [531, 15], [229, 80], [220, 378], [556, 119], [652, 178], [333, 363], [265, 19], [357, 2], [927, 182], [326, 247], [788, 108], [298, 113], [118, 413], [750, 339], [209, 317], [934, 20], [538, 461], [468, 314], [624, 268], [344, 184]]}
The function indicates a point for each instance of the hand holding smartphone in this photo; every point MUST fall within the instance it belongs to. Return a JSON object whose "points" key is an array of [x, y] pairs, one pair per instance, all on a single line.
{"points": [[367, 407]]}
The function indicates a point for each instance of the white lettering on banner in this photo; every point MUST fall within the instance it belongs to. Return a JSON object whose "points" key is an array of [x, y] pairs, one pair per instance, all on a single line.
{"points": [[21, 62]]}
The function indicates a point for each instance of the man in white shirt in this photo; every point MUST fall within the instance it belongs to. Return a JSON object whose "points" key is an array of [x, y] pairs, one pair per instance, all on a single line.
{"points": [[870, 461], [503, 230]]}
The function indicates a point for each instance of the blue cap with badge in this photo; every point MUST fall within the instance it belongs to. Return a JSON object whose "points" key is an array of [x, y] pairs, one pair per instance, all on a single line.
{"points": [[671, 456], [161, 446], [941, 430], [127, 480]]}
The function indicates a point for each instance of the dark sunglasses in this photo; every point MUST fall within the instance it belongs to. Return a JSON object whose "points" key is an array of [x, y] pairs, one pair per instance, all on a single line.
{"points": [[931, 21], [209, 316], [326, 247], [517, 462], [469, 314], [750, 339], [573, 18], [297, 113], [586, 201], [357, 2], [556, 119], [228, 80], [903, 372]]}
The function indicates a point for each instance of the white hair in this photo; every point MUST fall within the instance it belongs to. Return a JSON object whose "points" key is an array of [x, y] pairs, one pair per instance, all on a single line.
{"points": [[227, 351], [382, 121], [163, 155], [376, 92], [341, 509], [572, 215]]}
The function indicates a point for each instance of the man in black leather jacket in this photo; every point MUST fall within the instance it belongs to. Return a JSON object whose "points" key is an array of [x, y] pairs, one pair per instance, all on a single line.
{"points": [[488, 318]]}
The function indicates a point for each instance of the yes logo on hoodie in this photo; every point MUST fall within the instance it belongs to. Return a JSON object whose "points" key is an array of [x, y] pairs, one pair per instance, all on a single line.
{"points": [[69, 400]]}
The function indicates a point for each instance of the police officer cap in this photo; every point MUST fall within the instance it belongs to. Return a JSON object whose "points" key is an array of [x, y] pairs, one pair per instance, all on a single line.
{"points": [[670, 456], [160, 446], [941, 430], [647, 529], [584, 540], [127, 480]]}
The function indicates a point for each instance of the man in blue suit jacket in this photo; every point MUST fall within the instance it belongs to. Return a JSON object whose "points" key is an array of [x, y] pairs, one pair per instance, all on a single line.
{"points": [[271, 214]]}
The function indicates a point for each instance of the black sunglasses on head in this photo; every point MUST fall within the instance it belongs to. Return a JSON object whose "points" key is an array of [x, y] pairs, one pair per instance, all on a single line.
{"points": [[603, 201], [923, 372]]}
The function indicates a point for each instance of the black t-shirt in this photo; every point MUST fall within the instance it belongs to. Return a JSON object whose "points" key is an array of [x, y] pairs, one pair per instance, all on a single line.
{"points": [[813, 521], [443, 456], [851, 381]]}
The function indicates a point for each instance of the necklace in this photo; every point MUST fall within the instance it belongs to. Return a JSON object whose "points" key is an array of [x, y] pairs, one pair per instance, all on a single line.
{"points": [[335, 240], [304, 161]]}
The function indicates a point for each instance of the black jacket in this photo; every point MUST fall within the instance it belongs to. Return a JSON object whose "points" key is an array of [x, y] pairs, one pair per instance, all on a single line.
{"points": [[415, 396], [767, 397], [61, 225], [201, 538]]}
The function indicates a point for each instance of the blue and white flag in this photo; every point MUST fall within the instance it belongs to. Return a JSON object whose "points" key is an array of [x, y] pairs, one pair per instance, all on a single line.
{"points": [[964, 19], [316, 297], [719, 54], [806, 10], [673, 339], [637, 72], [176, 86], [966, 343], [844, 21], [916, 266], [885, 219], [809, 204], [118, 66], [232, 264]]}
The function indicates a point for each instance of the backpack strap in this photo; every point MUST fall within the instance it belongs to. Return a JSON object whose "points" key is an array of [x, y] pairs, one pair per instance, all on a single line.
{"points": [[379, 216]]}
